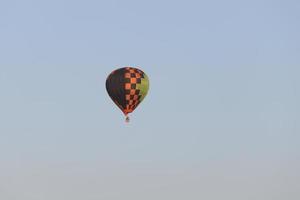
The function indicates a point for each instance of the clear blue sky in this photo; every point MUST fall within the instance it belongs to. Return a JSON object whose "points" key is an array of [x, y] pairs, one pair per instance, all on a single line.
{"points": [[221, 121]]}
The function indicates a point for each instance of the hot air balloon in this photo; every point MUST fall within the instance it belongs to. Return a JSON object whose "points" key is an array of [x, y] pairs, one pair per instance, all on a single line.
{"points": [[127, 87]]}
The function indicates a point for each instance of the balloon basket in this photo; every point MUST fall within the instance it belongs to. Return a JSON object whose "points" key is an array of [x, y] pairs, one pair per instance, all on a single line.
{"points": [[127, 120]]}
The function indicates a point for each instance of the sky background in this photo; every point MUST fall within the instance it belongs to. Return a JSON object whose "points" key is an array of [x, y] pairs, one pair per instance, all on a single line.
{"points": [[221, 120]]}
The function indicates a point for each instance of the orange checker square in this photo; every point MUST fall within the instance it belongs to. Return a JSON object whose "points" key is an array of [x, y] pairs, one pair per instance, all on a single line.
{"points": [[127, 75], [127, 97], [133, 80], [132, 92], [135, 97], [127, 86], [138, 75]]}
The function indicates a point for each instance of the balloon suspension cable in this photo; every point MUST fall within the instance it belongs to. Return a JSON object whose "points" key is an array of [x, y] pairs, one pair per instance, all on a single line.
{"points": [[127, 120]]}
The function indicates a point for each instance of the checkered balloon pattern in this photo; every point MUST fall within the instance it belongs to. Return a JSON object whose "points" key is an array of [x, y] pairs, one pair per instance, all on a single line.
{"points": [[127, 87]]}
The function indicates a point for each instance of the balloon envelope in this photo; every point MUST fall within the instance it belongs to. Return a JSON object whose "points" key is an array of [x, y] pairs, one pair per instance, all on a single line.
{"points": [[127, 87]]}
